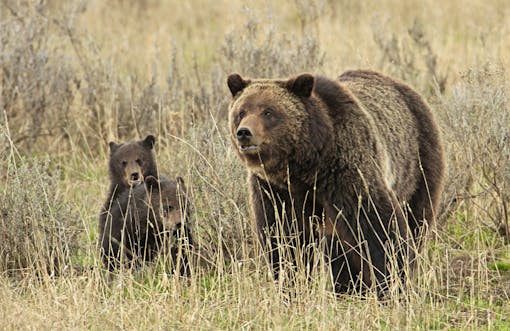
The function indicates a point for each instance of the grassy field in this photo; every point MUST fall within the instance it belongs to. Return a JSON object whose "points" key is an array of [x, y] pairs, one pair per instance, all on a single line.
{"points": [[78, 74]]}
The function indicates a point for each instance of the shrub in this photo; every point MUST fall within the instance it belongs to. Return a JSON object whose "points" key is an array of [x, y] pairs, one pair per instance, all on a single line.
{"points": [[38, 228], [477, 136]]}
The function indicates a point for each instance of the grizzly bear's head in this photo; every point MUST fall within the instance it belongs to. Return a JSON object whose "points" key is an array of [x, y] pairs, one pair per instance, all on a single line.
{"points": [[266, 118], [131, 161]]}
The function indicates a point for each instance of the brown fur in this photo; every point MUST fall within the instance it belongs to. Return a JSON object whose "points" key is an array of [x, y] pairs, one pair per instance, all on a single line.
{"points": [[130, 158], [128, 164], [350, 152], [145, 221]]}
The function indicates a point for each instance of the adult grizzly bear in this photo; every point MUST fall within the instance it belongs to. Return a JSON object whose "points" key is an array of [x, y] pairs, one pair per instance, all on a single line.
{"points": [[148, 219], [356, 162]]}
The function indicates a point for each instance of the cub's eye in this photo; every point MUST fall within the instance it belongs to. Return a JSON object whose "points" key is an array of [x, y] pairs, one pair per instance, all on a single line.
{"points": [[268, 112], [242, 113], [124, 163], [169, 208], [139, 162]]}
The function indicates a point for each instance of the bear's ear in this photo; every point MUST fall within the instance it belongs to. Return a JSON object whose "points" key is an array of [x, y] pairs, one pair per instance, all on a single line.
{"points": [[149, 141], [301, 85], [236, 83], [113, 147], [151, 182]]}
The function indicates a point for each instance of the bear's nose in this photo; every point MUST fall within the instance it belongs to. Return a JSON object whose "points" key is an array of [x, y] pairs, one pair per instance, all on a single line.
{"points": [[135, 176], [244, 134]]}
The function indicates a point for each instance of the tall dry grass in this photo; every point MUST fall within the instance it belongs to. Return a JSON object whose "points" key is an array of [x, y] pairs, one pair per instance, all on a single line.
{"points": [[76, 74]]}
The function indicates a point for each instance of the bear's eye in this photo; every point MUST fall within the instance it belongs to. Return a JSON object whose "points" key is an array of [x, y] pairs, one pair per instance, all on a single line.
{"points": [[124, 163], [268, 112], [169, 208], [139, 162], [242, 113]]}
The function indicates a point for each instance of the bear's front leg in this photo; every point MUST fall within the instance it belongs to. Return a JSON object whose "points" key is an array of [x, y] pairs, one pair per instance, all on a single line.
{"points": [[283, 223], [265, 207]]}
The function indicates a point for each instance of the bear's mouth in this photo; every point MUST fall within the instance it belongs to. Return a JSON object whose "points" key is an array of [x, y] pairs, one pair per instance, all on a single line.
{"points": [[133, 182], [248, 149]]}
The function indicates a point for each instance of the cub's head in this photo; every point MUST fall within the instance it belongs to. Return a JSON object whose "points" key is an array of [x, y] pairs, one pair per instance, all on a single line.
{"points": [[130, 162], [169, 201], [266, 118]]}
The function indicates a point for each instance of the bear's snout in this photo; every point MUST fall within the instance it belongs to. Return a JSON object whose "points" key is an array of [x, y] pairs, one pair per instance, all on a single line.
{"points": [[135, 176], [244, 134], [248, 143]]}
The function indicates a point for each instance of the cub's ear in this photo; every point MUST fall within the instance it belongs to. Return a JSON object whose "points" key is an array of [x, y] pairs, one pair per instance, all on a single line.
{"points": [[236, 83], [301, 85], [113, 147], [151, 182], [149, 141]]}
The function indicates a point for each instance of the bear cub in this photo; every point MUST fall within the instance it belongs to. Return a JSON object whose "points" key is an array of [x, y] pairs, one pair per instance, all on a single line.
{"points": [[147, 220], [128, 164]]}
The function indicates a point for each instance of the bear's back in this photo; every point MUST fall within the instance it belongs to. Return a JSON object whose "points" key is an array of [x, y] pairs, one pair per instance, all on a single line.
{"points": [[394, 124]]}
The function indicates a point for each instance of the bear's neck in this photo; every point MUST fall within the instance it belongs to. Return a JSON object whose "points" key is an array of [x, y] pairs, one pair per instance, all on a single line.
{"points": [[316, 147]]}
